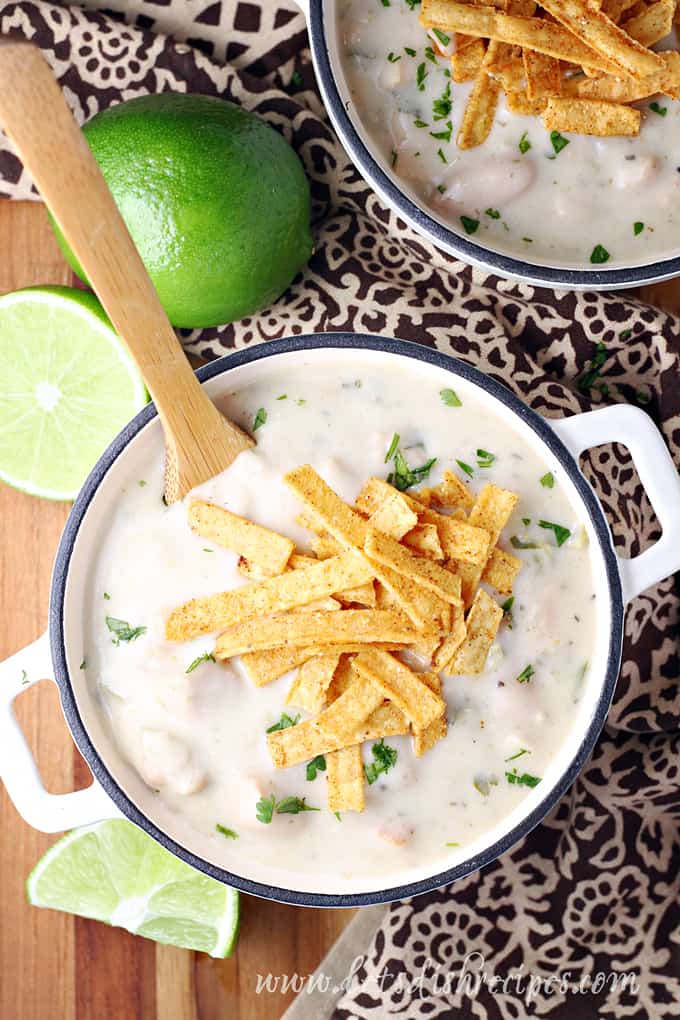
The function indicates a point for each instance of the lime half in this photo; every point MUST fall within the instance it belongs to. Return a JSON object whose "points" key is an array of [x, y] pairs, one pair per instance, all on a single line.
{"points": [[114, 872], [67, 387]]}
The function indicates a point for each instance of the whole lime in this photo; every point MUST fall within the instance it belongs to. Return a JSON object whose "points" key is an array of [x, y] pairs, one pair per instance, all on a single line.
{"points": [[215, 199]]}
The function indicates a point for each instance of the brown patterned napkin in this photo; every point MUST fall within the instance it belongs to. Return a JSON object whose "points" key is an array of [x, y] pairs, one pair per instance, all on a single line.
{"points": [[593, 889]]}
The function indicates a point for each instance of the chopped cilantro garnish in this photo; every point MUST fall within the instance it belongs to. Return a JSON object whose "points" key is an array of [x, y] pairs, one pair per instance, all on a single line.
{"points": [[266, 806], [420, 123], [384, 758], [412, 4], [561, 533], [385, 3], [524, 144], [107, 596], [469, 225], [337, 815], [485, 459], [409, 52], [403, 476], [524, 780], [394, 446], [441, 107], [421, 75], [141, 483], [206, 657], [493, 213], [441, 189], [507, 605], [24, 678], [317, 764], [122, 630], [284, 396], [228, 833], [442, 156], [522, 750], [526, 675], [393, 58], [284, 722], [443, 38], [526, 521], [599, 255], [638, 227], [465, 467], [661, 110], [517, 543], [590, 376], [450, 398], [260, 419], [430, 54], [444, 136], [83, 664], [558, 141], [264, 809], [547, 480]]}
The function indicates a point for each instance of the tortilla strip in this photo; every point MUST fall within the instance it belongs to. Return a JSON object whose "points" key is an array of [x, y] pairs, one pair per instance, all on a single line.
{"points": [[264, 667], [375, 491], [386, 721], [615, 9], [362, 594], [464, 541], [327, 605], [352, 626], [591, 117], [466, 62], [534, 33], [652, 24], [260, 546], [451, 643], [518, 102], [401, 685], [595, 29], [394, 516], [405, 594], [339, 520], [345, 779], [543, 75], [424, 539], [451, 491], [491, 512], [273, 595], [342, 717], [501, 570], [628, 90], [425, 739], [309, 688], [299, 561], [504, 64], [325, 546], [480, 109], [482, 624], [423, 572]]}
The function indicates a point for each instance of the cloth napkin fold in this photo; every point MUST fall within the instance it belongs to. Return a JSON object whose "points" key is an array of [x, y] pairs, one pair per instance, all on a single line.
{"points": [[592, 890]]}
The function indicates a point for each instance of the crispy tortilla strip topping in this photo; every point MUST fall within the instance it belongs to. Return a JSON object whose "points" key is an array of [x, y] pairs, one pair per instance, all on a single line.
{"points": [[491, 512], [532, 33], [467, 62], [591, 117], [273, 595], [615, 9], [451, 643], [261, 547], [401, 685], [652, 24], [423, 572], [482, 624], [327, 605], [504, 64], [309, 688], [345, 779], [480, 109], [450, 492], [424, 540], [264, 667], [374, 493], [339, 520], [425, 739], [341, 719], [386, 721], [501, 570], [351, 626], [543, 75], [464, 541], [594, 28], [362, 595], [394, 517], [517, 102], [628, 90], [325, 546]]}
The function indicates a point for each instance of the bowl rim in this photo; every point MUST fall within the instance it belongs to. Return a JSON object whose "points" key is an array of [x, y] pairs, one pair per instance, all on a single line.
{"points": [[301, 344], [442, 237]]}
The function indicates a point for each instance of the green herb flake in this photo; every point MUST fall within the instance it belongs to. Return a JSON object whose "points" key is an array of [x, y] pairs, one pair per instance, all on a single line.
{"points": [[558, 142], [384, 758], [412, 4], [317, 764], [206, 549], [469, 225], [591, 374], [83, 664], [599, 255], [338, 815], [264, 809], [465, 467], [638, 227], [441, 108], [122, 631], [661, 110], [526, 675], [561, 533], [403, 476], [522, 780], [507, 605], [227, 833], [450, 398], [284, 396], [293, 806], [409, 52], [420, 123], [421, 75], [300, 402], [441, 189], [494, 214], [205, 657], [393, 57], [260, 419], [284, 722], [444, 136], [442, 156], [385, 3], [524, 144], [24, 678], [430, 54], [485, 459], [518, 543], [394, 446], [107, 596], [443, 38], [451, 844], [522, 750], [141, 483], [547, 480]]}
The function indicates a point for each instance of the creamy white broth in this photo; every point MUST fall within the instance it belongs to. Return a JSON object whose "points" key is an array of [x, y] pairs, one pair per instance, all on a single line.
{"points": [[199, 738], [554, 208]]}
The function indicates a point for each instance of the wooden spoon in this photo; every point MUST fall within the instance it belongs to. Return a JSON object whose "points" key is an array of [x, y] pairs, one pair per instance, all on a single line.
{"points": [[199, 441]]}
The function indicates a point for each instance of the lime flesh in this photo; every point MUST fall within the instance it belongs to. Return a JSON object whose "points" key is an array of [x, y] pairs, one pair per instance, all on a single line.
{"points": [[67, 387], [114, 872]]}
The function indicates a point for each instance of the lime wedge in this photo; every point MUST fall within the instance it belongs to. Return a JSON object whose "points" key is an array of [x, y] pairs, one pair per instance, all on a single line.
{"points": [[114, 872], [67, 387]]}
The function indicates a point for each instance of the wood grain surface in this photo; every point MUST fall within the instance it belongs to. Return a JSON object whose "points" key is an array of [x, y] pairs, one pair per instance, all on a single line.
{"points": [[64, 968]]}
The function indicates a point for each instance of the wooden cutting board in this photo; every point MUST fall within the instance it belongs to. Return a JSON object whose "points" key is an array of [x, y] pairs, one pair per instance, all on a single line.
{"points": [[57, 966]]}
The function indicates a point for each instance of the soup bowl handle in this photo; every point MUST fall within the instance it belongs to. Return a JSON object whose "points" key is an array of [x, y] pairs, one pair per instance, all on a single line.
{"points": [[47, 812], [630, 426]]}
